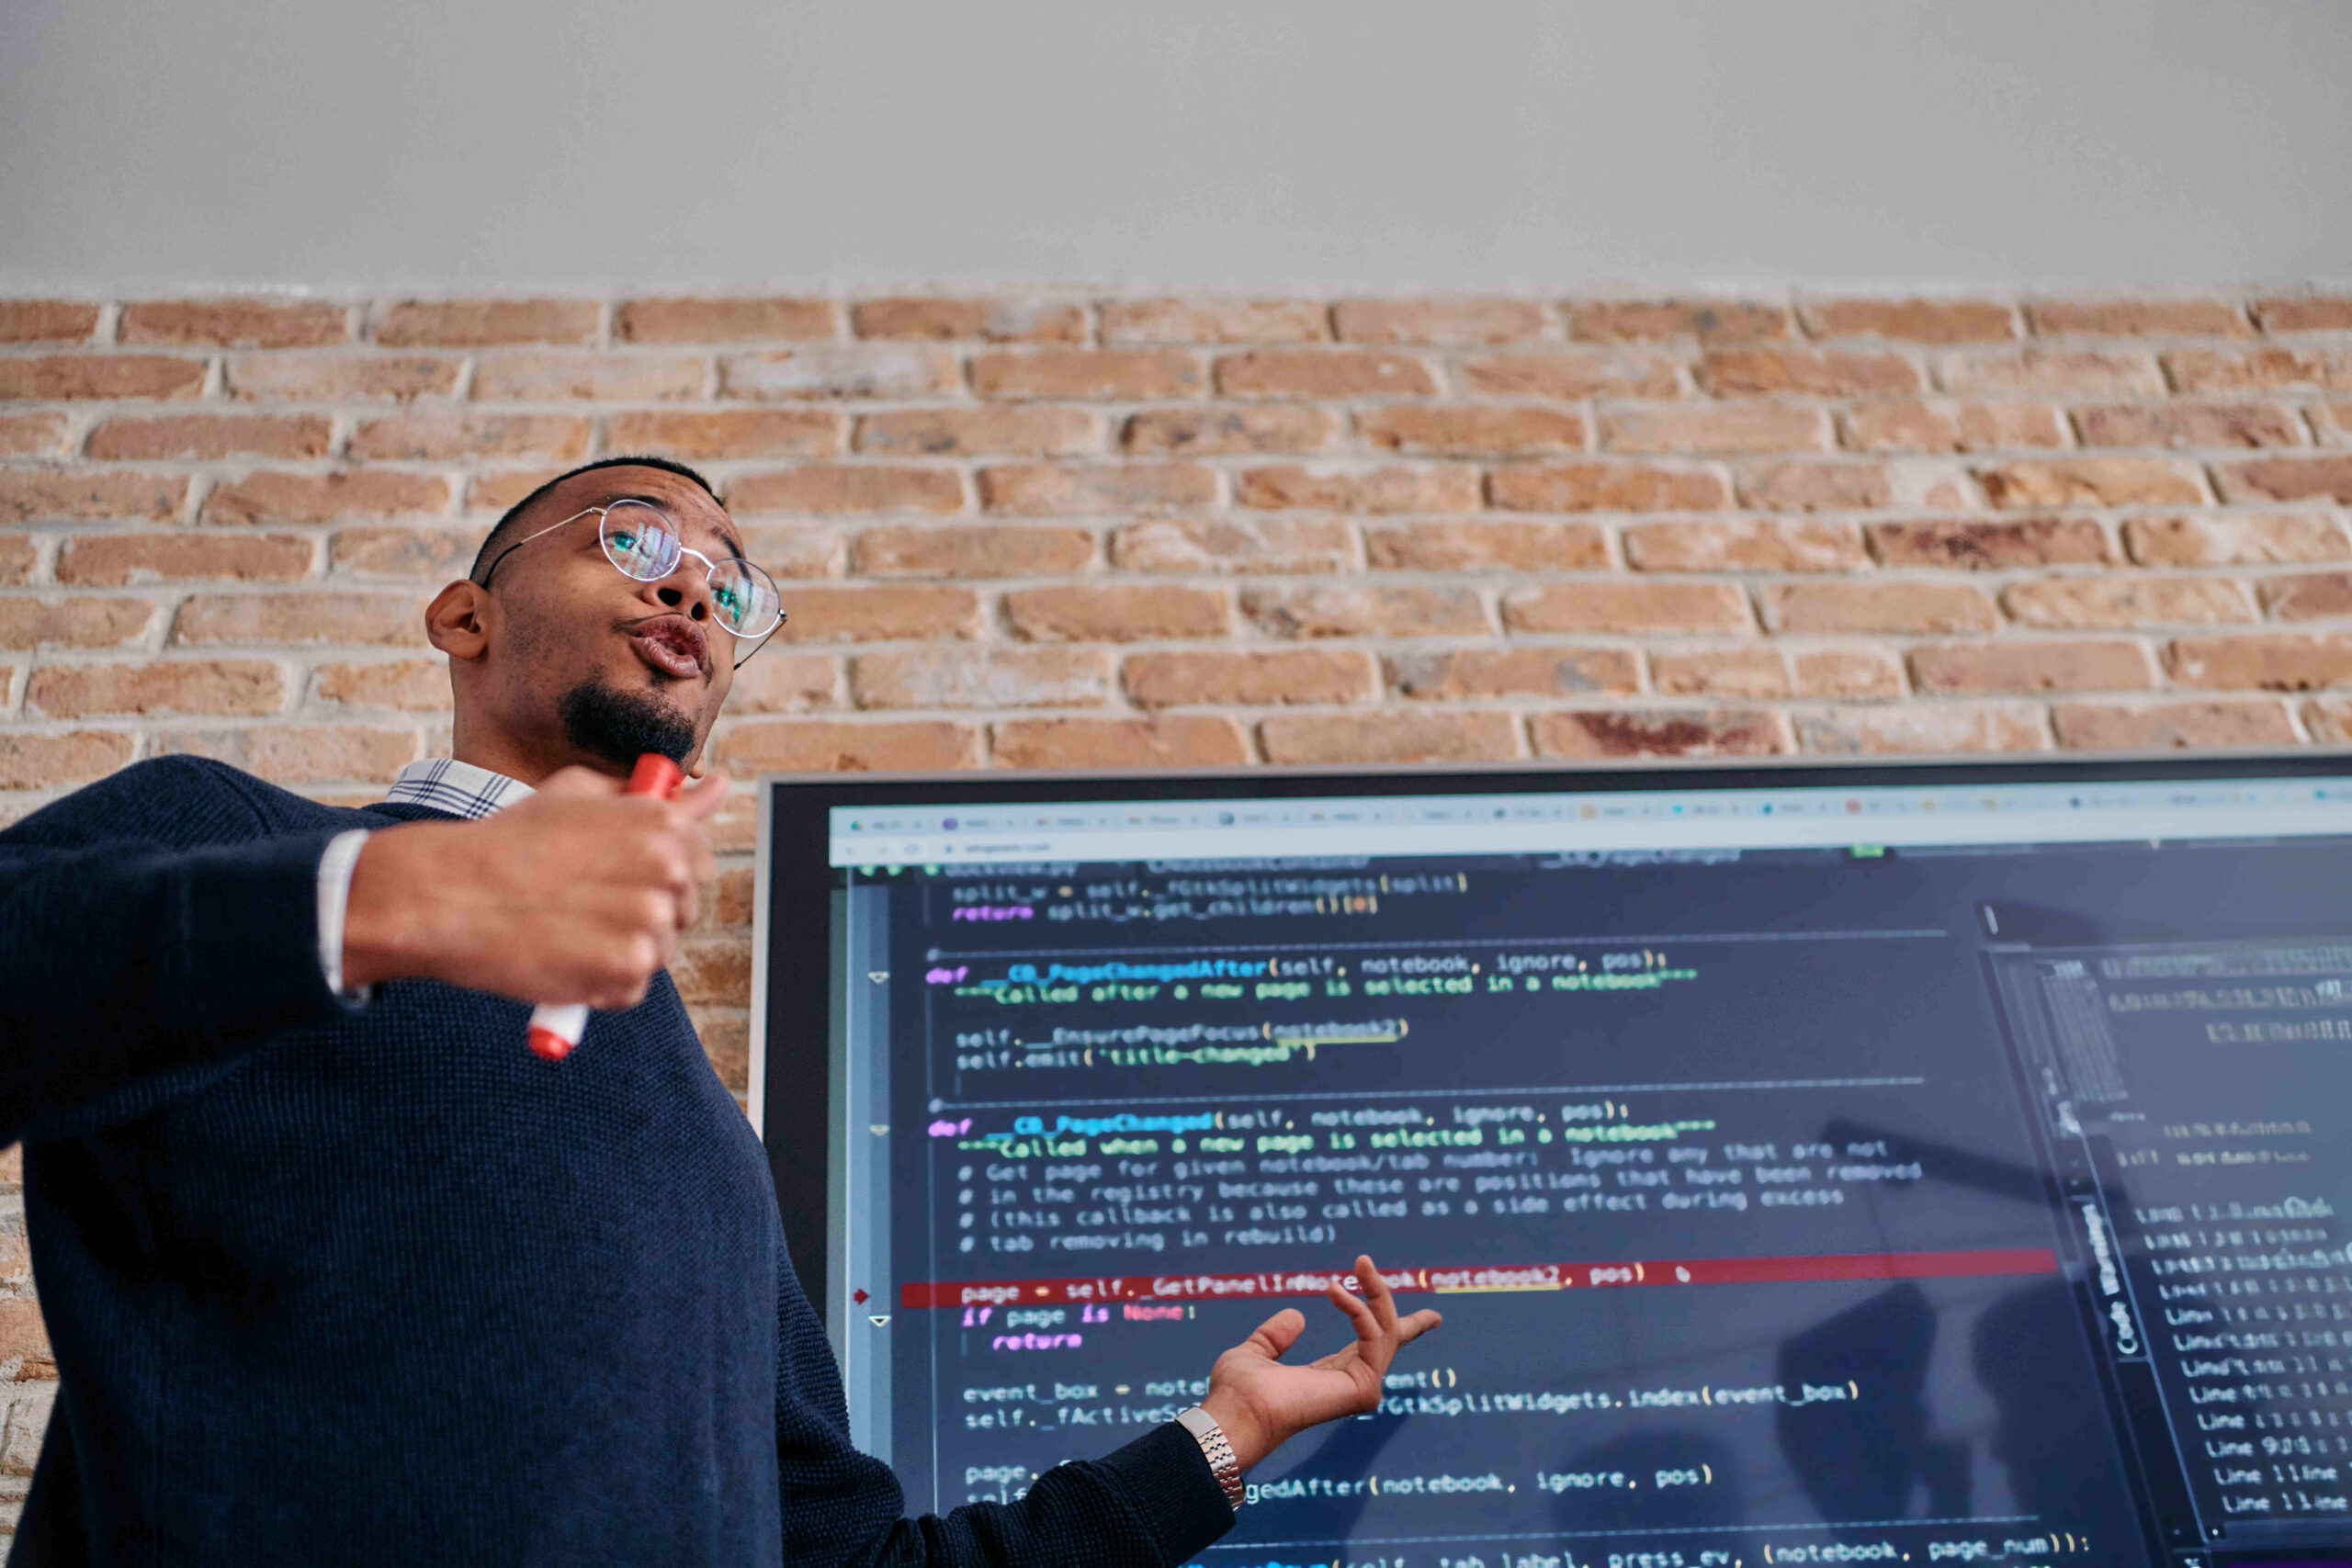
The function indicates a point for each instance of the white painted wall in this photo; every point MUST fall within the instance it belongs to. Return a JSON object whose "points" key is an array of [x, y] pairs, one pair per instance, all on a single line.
{"points": [[1454, 144]]}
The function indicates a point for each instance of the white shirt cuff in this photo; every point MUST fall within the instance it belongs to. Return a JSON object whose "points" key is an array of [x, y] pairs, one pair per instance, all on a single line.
{"points": [[336, 867]]}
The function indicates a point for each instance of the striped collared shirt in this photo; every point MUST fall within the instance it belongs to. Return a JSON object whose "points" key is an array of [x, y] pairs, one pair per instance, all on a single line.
{"points": [[442, 783], [446, 785]]}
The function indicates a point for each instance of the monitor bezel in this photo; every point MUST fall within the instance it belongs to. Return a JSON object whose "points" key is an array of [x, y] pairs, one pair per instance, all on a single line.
{"points": [[792, 1112]]}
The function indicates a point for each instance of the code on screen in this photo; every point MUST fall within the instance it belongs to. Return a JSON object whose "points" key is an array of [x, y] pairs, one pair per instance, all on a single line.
{"points": [[1817, 1203]]}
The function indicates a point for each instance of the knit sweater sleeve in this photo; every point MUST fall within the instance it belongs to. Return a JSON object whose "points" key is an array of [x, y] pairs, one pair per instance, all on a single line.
{"points": [[1152, 1504], [129, 947]]}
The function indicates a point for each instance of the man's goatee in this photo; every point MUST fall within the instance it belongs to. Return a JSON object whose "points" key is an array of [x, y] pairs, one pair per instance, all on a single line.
{"points": [[618, 726]]}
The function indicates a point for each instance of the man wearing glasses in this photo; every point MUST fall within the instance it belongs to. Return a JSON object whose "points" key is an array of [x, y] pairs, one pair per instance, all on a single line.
{"points": [[337, 1270]]}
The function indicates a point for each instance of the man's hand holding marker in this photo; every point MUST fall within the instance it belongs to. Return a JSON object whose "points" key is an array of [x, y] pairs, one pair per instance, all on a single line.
{"points": [[577, 895], [556, 1027]]}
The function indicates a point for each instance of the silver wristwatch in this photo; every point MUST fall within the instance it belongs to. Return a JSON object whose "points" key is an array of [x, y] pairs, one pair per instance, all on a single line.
{"points": [[1216, 1450]]}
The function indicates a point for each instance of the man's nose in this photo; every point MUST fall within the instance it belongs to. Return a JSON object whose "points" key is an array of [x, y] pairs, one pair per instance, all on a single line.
{"points": [[685, 590]]}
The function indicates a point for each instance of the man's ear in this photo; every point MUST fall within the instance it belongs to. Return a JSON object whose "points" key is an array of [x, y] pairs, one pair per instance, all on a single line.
{"points": [[455, 620]]}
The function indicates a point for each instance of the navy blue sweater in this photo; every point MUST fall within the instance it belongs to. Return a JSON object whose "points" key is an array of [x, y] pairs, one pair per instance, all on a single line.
{"points": [[377, 1285]]}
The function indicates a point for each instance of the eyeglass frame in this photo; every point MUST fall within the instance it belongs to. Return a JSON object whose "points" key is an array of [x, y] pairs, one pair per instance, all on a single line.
{"points": [[684, 549]]}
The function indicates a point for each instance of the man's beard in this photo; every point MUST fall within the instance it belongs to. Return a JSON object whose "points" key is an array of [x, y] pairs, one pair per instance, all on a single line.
{"points": [[618, 726]]}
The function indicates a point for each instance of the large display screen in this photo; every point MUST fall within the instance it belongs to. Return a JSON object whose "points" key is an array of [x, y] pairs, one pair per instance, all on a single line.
{"points": [[1933, 1164]]}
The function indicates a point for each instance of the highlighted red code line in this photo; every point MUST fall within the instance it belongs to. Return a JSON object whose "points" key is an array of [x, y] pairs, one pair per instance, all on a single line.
{"points": [[1499, 1277]]}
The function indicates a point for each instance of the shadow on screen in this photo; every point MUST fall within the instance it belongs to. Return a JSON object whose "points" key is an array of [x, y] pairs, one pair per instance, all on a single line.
{"points": [[1713, 1498], [2024, 1345], [1948, 1162], [1857, 1435], [2023, 1351]]}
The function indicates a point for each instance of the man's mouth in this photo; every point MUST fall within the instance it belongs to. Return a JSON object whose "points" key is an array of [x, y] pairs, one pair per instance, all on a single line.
{"points": [[671, 644]]}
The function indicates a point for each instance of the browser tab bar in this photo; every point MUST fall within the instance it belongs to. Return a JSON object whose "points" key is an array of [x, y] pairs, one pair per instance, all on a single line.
{"points": [[1577, 822]]}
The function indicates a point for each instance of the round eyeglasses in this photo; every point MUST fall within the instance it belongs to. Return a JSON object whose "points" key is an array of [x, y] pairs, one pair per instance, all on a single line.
{"points": [[644, 544]]}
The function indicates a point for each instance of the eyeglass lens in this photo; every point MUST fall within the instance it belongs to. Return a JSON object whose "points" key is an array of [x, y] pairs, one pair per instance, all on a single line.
{"points": [[644, 544]]}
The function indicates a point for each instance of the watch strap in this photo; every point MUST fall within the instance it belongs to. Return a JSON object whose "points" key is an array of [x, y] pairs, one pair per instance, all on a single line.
{"points": [[1217, 1451]]}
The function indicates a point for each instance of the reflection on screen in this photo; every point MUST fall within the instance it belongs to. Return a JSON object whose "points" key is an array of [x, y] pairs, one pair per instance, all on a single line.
{"points": [[1813, 1205]]}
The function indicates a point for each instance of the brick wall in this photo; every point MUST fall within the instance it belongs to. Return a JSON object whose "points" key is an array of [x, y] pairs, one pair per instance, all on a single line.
{"points": [[1074, 530]]}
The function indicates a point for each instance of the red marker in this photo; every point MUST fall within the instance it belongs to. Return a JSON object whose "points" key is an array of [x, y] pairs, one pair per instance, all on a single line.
{"points": [[556, 1028]]}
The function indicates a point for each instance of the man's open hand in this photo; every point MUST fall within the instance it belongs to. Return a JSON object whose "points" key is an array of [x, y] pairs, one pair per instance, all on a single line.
{"points": [[1262, 1403], [576, 894]]}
